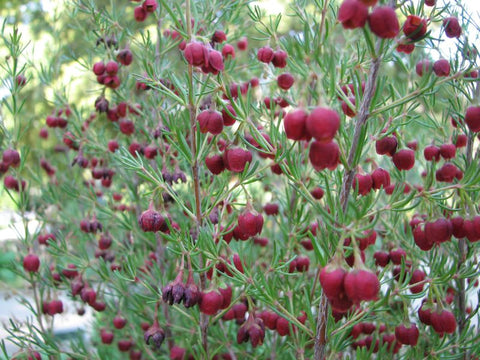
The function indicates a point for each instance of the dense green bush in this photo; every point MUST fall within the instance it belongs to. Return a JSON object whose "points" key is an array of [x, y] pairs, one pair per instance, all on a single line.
{"points": [[216, 182]]}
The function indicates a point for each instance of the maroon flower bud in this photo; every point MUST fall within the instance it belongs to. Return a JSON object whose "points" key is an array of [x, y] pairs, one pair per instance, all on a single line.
{"points": [[285, 81], [77, 285], [219, 36], [55, 307], [125, 57], [43, 133], [152, 221], [177, 353], [21, 80], [119, 322], [150, 5], [111, 68], [150, 151], [317, 193], [101, 104], [406, 48], [215, 60], [447, 173], [282, 326], [43, 238], [192, 294], [380, 177], [302, 263], [421, 240], [215, 164], [13, 184], [210, 121], [441, 67], [228, 115], [227, 296], [11, 158], [88, 295], [361, 285], [443, 322], [135, 354], [348, 109], [415, 27], [382, 258], [470, 227], [383, 22], [458, 229], [271, 209], [235, 159], [362, 183], [80, 160], [417, 277], [196, 54], [279, 59], [353, 14], [70, 272], [113, 145], [431, 152], [174, 291], [472, 118], [99, 68], [106, 336], [167, 296], [154, 335], [31, 263], [407, 336], [265, 54], [323, 124], [324, 155], [295, 124], [331, 279], [253, 329], [178, 291], [210, 302], [438, 231], [423, 67], [250, 223], [124, 345], [242, 44], [386, 145], [452, 27], [127, 127], [448, 151], [228, 51], [269, 318], [396, 255], [461, 141], [404, 159], [112, 82]]}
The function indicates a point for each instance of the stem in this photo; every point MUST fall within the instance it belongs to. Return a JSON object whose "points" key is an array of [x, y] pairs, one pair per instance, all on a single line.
{"points": [[322, 20], [361, 119], [196, 182], [322, 317], [39, 306], [321, 331]]}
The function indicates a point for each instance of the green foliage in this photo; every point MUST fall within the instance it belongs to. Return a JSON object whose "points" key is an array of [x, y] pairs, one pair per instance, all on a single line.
{"points": [[163, 95]]}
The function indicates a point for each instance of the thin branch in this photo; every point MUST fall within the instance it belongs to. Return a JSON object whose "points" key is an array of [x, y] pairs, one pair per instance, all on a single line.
{"points": [[350, 170], [196, 181]]}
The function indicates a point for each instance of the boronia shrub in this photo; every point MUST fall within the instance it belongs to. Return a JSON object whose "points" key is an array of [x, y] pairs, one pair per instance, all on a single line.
{"points": [[215, 182]]}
